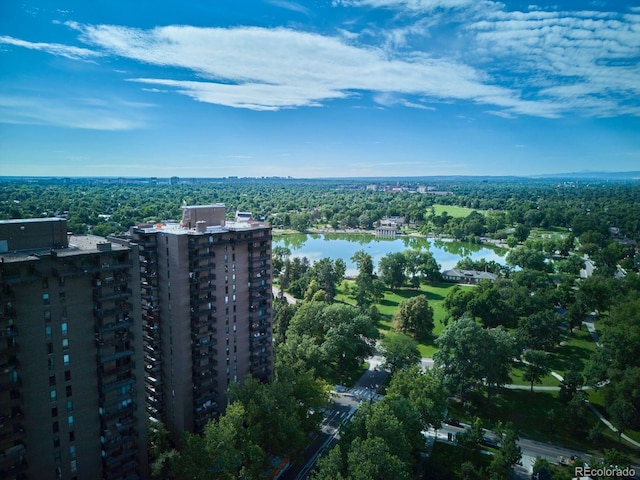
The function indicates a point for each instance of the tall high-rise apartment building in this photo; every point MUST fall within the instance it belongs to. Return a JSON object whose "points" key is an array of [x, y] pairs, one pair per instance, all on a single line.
{"points": [[206, 312], [71, 355]]}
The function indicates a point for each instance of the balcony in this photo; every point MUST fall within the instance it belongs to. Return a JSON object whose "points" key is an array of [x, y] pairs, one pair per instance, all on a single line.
{"points": [[104, 358], [115, 369], [113, 339], [118, 411], [204, 381], [258, 336], [106, 387], [126, 452], [109, 295], [202, 397], [153, 381]]}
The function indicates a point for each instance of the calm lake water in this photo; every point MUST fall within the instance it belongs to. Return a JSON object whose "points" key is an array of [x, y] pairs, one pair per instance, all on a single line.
{"points": [[317, 246]]}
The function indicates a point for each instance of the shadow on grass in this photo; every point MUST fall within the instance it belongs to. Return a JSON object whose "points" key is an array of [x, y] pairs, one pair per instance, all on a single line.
{"points": [[446, 460], [349, 378], [568, 356], [537, 416]]}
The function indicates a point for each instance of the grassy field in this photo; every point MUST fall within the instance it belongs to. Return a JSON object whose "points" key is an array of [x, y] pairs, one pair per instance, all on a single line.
{"points": [[554, 233], [455, 211], [435, 294], [547, 381], [575, 351]]}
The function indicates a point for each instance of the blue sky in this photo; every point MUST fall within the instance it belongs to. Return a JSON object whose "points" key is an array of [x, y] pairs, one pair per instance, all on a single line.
{"points": [[318, 88]]}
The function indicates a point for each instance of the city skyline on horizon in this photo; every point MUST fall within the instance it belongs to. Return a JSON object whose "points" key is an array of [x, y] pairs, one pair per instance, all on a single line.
{"points": [[332, 89]]}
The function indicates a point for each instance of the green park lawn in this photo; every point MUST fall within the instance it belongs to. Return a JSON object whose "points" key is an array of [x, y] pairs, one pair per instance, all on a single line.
{"points": [[551, 233], [574, 351], [435, 293], [546, 381], [455, 211]]}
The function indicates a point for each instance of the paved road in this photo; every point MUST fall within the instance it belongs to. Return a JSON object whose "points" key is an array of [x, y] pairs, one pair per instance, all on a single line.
{"points": [[277, 292]]}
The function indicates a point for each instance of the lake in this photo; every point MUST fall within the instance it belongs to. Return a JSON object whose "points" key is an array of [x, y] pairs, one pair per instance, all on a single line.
{"points": [[336, 245]]}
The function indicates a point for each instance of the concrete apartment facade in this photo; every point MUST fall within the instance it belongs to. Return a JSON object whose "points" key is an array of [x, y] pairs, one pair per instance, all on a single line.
{"points": [[206, 312], [71, 355]]}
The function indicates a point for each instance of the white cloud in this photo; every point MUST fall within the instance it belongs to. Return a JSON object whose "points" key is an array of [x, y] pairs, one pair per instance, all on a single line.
{"points": [[579, 60], [293, 6], [500, 114], [408, 5], [74, 53], [269, 69]]}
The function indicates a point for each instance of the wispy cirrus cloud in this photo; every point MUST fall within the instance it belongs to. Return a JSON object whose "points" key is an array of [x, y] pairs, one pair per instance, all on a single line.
{"points": [[538, 62], [269, 69], [292, 6], [74, 53], [408, 5]]}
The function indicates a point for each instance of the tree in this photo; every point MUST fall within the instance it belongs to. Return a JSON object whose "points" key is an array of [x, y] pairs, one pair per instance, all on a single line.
{"points": [[469, 439], [486, 303], [392, 269], [421, 266], [527, 258], [540, 331], [456, 302], [509, 453], [399, 351], [414, 316], [570, 385], [364, 289], [463, 358], [423, 389], [497, 366], [521, 232], [535, 368]]}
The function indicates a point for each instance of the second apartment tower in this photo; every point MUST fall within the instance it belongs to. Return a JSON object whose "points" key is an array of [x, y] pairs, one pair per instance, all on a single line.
{"points": [[206, 308]]}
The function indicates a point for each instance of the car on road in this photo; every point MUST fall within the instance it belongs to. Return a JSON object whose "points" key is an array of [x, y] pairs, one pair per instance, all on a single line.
{"points": [[454, 422], [489, 442]]}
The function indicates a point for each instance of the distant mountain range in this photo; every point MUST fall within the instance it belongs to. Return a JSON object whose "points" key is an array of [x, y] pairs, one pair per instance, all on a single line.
{"points": [[635, 175]]}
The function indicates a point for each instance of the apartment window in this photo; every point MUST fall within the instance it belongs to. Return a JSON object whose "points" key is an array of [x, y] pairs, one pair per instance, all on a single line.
{"points": [[51, 364], [74, 466], [47, 332], [54, 412], [66, 359], [65, 344], [52, 380], [47, 316], [63, 328], [69, 405], [55, 427], [56, 442], [61, 281], [72, 436], [68, 390], [45, 283], [67, 375], [45, 298], [49, 348], [63, 297], [233, 257], [53, 395], [233, 297], [72, 451], [70, 421]]}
